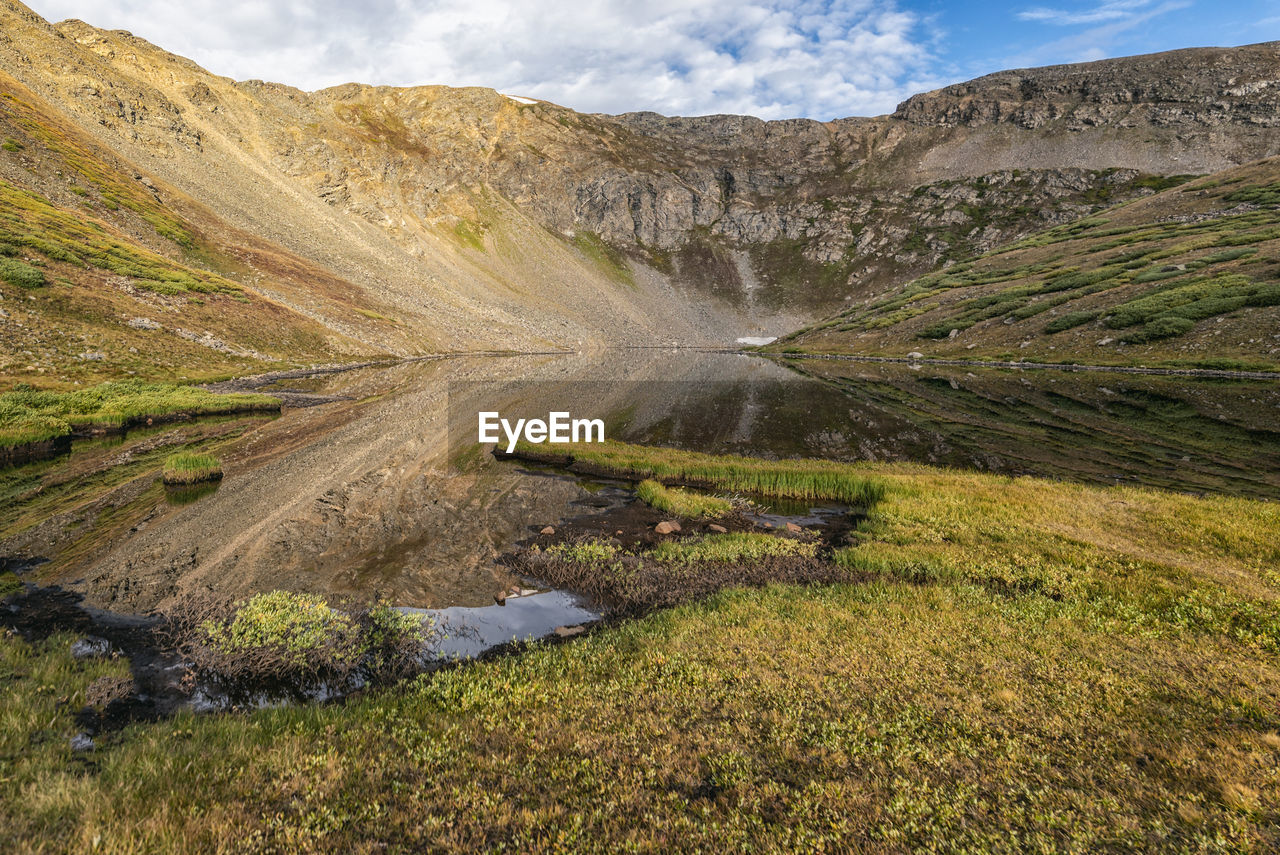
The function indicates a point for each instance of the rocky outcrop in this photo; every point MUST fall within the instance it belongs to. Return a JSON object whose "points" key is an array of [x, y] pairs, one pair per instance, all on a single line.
{"points": [[476, 220], [1204, 87]]}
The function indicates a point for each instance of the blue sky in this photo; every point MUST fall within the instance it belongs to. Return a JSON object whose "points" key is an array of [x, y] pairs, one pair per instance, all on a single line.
{"points": [[817, 58], [976, 38]]}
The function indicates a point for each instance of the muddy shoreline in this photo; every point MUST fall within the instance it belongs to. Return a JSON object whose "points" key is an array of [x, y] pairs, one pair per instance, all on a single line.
{"points": [[160, 685], [1208, 373]]}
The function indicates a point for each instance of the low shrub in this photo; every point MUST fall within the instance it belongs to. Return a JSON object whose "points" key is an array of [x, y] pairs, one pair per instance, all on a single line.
{"points": [[1162, 327], [21, 274], [1069, 321]]}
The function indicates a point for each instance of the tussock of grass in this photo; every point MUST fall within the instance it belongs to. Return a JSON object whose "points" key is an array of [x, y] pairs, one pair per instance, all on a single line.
{"points": [[30, 415], [738, 546], [682, 503], [785, 479], [675, 572], [280, 641], [185, 468]]}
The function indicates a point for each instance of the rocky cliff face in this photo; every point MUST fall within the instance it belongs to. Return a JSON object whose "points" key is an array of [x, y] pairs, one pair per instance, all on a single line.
{"points": [[1187, 89], [471, 219]]}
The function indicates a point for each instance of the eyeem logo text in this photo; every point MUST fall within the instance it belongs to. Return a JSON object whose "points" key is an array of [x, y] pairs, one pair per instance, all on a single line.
{"points": [[558, 428]]}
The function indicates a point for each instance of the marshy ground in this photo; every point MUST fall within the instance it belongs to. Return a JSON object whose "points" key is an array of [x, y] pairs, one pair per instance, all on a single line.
{"points": [[983, 662]]}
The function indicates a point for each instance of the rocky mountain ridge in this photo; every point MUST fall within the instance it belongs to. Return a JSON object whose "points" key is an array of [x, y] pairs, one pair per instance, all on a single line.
{"points": [[441, 218]]}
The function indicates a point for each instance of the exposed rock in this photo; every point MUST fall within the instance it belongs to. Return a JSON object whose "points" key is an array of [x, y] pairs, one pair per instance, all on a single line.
{"points": [[90, 647], [547, 530], [793, 528], [667, 527], [718, 529], [144, 324], [569, 631]]}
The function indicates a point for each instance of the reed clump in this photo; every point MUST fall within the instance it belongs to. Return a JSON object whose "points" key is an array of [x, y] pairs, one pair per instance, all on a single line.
{"points": [[184, 469]]}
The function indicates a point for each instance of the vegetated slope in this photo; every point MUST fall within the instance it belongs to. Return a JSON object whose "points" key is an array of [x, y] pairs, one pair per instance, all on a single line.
{"points": [[1189, 277], [464, 218]]}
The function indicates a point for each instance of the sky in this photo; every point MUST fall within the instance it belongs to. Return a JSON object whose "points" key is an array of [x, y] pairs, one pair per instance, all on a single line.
{"points": [[820, 59]]}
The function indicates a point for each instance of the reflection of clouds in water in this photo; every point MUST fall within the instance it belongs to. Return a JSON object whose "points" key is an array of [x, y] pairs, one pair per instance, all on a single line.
{"points": [[471, 631]]}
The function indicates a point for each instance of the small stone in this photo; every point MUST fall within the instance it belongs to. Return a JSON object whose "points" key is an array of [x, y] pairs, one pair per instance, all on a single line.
{"points": [[915, 354], [82, 742], [666, 527], [953, 333], [619, 531], [792, 527], [718, 529], [528, 592], [143, 324], [500, 598], [91, 647], [547, 530], [567, 631], [93, 356]]}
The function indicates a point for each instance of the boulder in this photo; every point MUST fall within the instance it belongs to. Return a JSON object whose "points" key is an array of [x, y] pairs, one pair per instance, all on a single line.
{"points": [[666, 527], [90, 647]]}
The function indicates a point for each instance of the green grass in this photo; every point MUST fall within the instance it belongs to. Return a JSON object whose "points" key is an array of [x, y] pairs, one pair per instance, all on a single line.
{"points": [[738, 546], [1208, 263], [1029, 666], [604, 256], [682, 503], [785, 479], [186, 468], [9, 584], [30, 415], [298, 626], [29, 220], [21, 274]]}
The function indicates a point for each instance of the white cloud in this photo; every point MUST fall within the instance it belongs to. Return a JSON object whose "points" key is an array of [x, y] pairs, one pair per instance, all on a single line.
{"points": [[1103, 39], [1115, 10], [771, 58]]}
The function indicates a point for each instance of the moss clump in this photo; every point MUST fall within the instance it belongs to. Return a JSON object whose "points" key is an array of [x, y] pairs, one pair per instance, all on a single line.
{"points": [[185, 468]]}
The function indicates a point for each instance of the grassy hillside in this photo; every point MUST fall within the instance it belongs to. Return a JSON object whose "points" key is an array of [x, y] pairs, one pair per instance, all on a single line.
{"points": [[1188, 277], [81, 302], [1017, 665], [103, 277]]}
